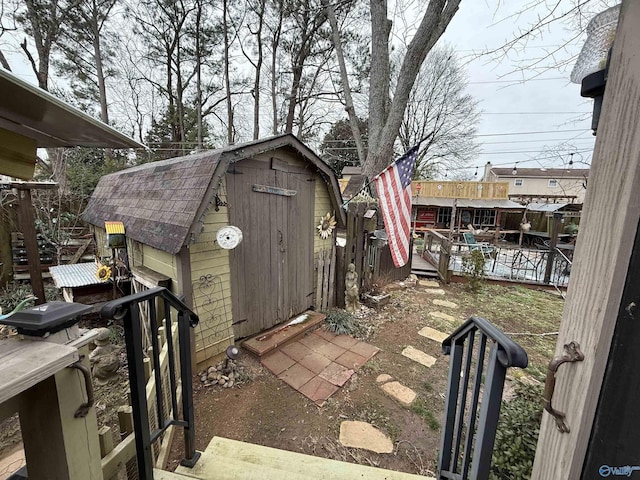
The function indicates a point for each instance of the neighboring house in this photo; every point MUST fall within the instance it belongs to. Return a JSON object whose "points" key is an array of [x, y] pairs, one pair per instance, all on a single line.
{"points": [[275, 190], [436, 204], [548, 185]]}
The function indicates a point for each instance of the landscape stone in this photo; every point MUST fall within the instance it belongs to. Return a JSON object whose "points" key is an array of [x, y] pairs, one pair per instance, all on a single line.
{"points": [[402, 394], [383, 378], [363, 435], [444, 303], [419, 356], [428, 283], [433, 334], [443, 316], [434, 291]]}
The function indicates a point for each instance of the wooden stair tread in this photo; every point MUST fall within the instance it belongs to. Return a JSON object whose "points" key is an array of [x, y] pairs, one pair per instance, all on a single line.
{"points": [[226, 459], [263, 347]]}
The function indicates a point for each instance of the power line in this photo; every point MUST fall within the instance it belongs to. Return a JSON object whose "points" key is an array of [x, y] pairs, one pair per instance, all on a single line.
{"points": [[525, 151], [535, 113], [531, 133], [560, 140], [515, 82]]}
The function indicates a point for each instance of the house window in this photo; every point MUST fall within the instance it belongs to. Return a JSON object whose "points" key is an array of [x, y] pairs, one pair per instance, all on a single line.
{"points": [[484, 218], [518, 182], [553, 183], [444, 215]]}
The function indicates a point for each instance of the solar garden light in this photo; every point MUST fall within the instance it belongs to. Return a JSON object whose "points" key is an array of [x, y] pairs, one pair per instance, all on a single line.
{"points": [[592, 66], [232, 353]]}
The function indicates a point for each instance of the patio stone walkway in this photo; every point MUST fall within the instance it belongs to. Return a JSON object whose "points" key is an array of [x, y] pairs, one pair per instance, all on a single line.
{"points": [[419, 356], [365, 436], [402, 394], [444, 303], [434, 291], [433, 334], [443, 316], [319, 363]]}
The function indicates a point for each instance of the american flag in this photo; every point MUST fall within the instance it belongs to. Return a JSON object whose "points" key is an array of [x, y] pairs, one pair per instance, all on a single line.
{"points": [[394, 191]]}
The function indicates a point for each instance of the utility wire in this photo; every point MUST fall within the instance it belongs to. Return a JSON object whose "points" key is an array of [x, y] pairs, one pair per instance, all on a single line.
{"points": [[531, 133]]}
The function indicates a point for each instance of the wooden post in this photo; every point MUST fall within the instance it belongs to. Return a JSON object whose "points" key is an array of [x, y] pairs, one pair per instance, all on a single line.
{"points": [[105, 438], [555, 229], [452, 221], [598, 312], [340, 272], [28, 227], [57, 444], [332, 274], [125, 419]]}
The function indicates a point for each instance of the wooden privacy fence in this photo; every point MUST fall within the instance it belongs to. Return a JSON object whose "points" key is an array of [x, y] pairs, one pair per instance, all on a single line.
{"points": [[369, 253], [122, 457], [326, 263]]}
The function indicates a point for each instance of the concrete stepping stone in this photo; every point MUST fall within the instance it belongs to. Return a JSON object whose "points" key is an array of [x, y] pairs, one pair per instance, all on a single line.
{"points": [[443, 316], [433, 334], [365, 436], [444, 303], [434, 291], [419, 356], [402, 394], [428, 283], [384, 378]]}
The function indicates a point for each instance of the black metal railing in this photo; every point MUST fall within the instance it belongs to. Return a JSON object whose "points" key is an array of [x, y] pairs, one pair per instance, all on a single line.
{"points": [[128, 309], [470, 423], [561, 269]]}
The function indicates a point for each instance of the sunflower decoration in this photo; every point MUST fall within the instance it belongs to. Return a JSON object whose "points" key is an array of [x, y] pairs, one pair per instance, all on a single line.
{"points": [[326, 226], [103, 273]]}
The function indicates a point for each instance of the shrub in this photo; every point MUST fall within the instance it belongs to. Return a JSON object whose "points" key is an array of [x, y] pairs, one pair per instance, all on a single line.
{"points": [[14, 293], [517, 435], [473, 269], [339, 322]]}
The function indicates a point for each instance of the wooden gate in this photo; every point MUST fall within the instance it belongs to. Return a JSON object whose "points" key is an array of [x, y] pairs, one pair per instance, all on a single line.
{"points": [[372, 259], [272, 268]]}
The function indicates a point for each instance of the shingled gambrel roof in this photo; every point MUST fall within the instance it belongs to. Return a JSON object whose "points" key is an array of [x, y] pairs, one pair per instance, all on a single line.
{"points": [[162, 203]]}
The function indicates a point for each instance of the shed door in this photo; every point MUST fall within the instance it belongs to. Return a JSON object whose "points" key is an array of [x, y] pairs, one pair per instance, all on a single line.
{"points": [[272, 268]]}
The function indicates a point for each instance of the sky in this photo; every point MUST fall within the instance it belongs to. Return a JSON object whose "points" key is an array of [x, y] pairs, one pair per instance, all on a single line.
{"points": [[516, 104], [521, 101]]}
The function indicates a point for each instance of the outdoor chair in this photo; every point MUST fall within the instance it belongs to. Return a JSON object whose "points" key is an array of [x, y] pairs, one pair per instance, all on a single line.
{"points": [[484, 247]]}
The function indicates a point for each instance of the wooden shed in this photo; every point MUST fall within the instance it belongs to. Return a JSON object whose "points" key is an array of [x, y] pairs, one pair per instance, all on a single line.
{"points": [[275, 190]]}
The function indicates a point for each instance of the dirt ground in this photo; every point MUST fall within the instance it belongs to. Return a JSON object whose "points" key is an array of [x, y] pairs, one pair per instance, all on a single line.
{"points": [[264, 410]]}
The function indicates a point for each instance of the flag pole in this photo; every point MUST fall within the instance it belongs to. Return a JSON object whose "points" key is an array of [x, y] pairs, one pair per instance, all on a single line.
{"points": [[390, 165]]}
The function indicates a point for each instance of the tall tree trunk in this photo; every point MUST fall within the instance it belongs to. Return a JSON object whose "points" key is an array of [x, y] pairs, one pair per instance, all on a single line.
{"points": [[198, 76], [256, 83], [386, 117], [351, 112], [293, 95], [227, 81], [379, 75], [97, 56], [275, 44]]}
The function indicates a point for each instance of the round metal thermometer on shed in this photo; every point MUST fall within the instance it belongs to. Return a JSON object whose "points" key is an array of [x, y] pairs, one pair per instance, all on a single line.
{"points": [[229, 237]]}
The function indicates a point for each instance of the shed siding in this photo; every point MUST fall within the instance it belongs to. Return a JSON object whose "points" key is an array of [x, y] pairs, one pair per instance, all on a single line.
{"points": [[211, 284], [161, 262]]}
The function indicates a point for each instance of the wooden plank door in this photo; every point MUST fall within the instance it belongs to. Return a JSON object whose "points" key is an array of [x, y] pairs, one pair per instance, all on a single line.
{"points": [[271, 270], [595, 308]]}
